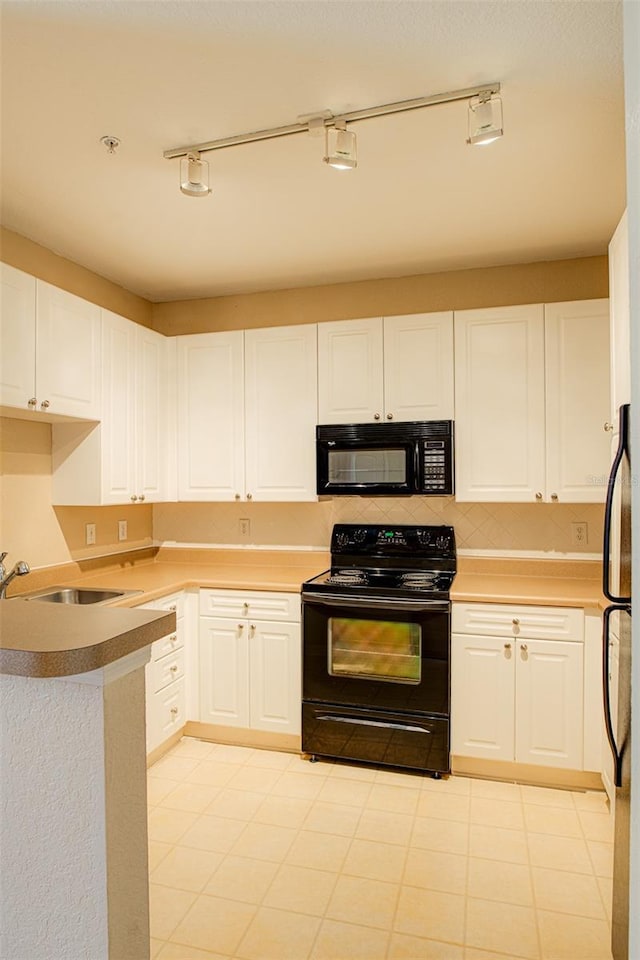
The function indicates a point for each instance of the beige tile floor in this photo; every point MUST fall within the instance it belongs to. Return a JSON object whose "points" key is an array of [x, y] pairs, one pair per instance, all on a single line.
{"points": [[258, 855]]}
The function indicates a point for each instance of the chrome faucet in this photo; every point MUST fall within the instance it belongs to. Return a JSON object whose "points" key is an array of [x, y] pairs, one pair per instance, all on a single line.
{"points": [[19, 570]]}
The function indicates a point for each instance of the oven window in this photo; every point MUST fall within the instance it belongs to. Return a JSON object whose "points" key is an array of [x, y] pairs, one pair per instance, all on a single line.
{"points": [[368, 466], [374, 649]]}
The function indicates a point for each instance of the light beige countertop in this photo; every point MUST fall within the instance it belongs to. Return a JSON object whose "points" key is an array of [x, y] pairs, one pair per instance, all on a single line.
{"points": [[60, 640], [575, 583]]}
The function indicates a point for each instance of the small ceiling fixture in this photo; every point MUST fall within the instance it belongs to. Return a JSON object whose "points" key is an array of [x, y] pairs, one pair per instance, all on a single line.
{"points": [[485, 119], [111, 143], [194, 175], [485, 125], [340, 147]]}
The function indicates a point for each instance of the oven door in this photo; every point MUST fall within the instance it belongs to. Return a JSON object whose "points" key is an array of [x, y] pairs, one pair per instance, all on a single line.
{"points": [[379, 654]]}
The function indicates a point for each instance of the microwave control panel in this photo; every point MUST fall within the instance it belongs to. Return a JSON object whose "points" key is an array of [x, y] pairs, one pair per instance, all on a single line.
{"points": [[434, 465]]}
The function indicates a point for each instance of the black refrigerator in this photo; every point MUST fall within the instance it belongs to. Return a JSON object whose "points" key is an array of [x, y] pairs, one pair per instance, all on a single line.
{"points": [[617, 626]]}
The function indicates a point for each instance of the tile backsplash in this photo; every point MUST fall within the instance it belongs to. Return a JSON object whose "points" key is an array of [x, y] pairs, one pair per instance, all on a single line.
{"points": [[528, 529]]}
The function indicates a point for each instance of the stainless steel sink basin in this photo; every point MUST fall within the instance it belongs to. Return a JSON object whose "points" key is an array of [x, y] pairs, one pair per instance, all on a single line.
{"points": [[80, 595]]}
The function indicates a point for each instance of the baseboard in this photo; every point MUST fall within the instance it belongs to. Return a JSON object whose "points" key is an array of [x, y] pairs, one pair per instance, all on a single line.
{"points": [[527, 773], [243, 736], [166, 745]]}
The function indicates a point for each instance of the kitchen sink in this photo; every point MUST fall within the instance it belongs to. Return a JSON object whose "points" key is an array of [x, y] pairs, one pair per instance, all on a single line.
{"points": [[80, 595]]}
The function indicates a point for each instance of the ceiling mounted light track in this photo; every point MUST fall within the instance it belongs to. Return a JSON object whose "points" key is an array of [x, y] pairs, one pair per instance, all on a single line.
{"points": [[340, 142]]}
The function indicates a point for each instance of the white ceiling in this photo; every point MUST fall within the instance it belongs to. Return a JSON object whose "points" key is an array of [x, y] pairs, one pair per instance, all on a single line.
{"points": [[164, 74]]}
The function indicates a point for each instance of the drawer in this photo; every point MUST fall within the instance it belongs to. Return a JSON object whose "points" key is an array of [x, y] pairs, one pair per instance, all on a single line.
{"points": [[173, 604], [505, 620], [250, 603], [166, 670], [166, 645], [167, 713]]}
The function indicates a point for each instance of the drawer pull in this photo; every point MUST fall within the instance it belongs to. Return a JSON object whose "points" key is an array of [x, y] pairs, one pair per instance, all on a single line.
{"points": [[173, 638], [245, 606], [523, 647], [174, 711], [172, 608], [515, 622], [241, 627], [507, 646], [174, 668]]}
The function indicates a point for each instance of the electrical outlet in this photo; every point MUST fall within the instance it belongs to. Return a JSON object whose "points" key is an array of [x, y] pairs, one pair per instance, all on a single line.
{"points": [[122, 529], [89, 534], [579, 534], [245, 526]]}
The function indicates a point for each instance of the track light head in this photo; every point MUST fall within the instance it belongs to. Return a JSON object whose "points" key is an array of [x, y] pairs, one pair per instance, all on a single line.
{"points": [[340, 147], [485, 119], [194, 176]]}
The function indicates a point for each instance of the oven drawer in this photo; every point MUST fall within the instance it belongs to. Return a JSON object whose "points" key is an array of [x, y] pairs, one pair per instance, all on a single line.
{"points": [[505, 620], [390, 739]]}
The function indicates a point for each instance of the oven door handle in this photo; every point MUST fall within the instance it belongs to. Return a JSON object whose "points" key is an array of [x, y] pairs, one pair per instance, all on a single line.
{"points": [[377, 603]]}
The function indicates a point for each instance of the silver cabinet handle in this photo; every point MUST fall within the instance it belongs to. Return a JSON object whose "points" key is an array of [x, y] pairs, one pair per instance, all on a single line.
{"points": [[174, 711], [249, 496], [237, 496], [253, 628], [174, 668], [141, 497], [44, 405], [538, 496], [245, 606], [524, 647], [32, 402], [515, 622], [607, 426], [241, 627], [507, 646], [133, 498], [389, 416], [554, 496], [376, 416]]}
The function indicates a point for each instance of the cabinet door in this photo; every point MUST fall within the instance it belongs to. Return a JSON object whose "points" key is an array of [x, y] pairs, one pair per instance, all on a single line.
{"points": [[118, 440], [549, 703], [67, 353], [224, 672], [281, 413], [418, 367], [499, 400], [350, 379], [210, 416], [482, 697], [620, 323], [275, 685], [578, 400], [151, 415], [18, 337]]}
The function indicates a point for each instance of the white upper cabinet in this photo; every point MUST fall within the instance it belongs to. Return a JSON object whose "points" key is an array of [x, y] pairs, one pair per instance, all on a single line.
{"points": [[246, 414], [124, 458], [50, 348], [391, 368], [619, 299], [532, 389], [280, 413], [17, 338], [499, 386], [211, 416], [577, 400]]}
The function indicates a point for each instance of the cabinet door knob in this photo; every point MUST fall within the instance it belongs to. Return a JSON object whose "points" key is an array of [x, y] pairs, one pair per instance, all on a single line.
{"points": [[245, 606], [554, 496], [389, 416], [507, 646], [141, 497], [253, 627], [241, 627], [32, 402], [376, 416], [515, 622], [172, 608], [237, 496], [174, 668], [44, 405], [607, 426], [538, 496], [524, 647], [174, 711], [133, 498], [249, 496]]}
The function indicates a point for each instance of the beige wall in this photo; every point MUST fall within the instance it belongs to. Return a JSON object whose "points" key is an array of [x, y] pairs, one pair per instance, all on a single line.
{"points": [[31, 528], [26, 255], [545, 282]]}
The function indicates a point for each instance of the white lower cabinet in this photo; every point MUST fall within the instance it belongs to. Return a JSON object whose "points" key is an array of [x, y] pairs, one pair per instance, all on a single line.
{"points": [[250, 660], [166, 700], [517, 688]]}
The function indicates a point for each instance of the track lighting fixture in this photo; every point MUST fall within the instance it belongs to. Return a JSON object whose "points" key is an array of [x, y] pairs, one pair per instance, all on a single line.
{"points": [[340, 147], [485, 126], [485, 119], [194, 175]]}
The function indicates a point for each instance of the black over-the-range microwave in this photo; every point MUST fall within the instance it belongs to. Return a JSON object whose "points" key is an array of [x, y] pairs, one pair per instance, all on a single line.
{"points": [[385, 459]]}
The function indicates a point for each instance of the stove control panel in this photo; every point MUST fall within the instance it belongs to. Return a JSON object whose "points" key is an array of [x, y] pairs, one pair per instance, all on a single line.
{"points": [[407, 540]]}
